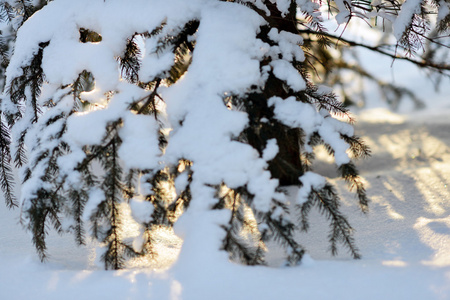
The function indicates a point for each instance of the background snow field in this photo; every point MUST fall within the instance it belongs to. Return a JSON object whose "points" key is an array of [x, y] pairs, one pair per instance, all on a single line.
{"points": [[404, 240]]}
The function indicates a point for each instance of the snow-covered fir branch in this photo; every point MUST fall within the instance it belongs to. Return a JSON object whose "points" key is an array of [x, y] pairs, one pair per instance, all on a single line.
{"points": [[195, 114]]}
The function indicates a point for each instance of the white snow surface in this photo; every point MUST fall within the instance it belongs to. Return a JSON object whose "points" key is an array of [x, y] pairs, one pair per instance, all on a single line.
{"points": [[404, 240]]}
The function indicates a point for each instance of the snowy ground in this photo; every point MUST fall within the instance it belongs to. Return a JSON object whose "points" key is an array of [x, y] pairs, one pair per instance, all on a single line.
{"points": [[405, 239]]}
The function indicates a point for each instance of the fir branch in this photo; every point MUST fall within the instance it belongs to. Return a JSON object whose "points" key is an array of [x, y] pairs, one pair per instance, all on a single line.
{"points": [[7, 12], [164, 214], [129, 186], [116, 250], [130, 62], [351, 176], [182, 62], [20, 157], [84, 83], [7, 181], [26, 8], [304, 210], [150, 104], [391, 93], [79, 199], [244, 250], [328, 202], [6, 175], [4, 51], [108, 211], [327, 102], [357, 146], [281, 230], [33, 77], [185, 197], [37, 226], [93, 152], [437, 67], [148, 248], [43, 208], [165, 208]]}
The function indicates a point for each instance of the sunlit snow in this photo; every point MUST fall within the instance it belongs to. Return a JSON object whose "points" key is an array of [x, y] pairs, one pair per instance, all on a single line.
{"points": [[405, 239]]}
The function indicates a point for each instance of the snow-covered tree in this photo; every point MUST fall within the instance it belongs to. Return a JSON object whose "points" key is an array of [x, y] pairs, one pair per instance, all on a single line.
{"points": [[198, 114]]}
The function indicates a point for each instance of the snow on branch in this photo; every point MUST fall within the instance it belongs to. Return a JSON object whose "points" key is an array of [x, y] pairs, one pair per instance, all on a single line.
{"points": [[196, 113]]}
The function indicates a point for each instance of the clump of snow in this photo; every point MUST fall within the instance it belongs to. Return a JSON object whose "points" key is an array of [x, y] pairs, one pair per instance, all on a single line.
{"points": [[405, 16], [181, 182], [311, 181], [93, 123], [285, 71], [154, 61], [311, 8], [95, 97], [282, 5], [139, 147], [271, 150], [259, 4], [288, 44], [331, 135], [344, 13], [294, 113], [305, 116], [141, 210]]}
